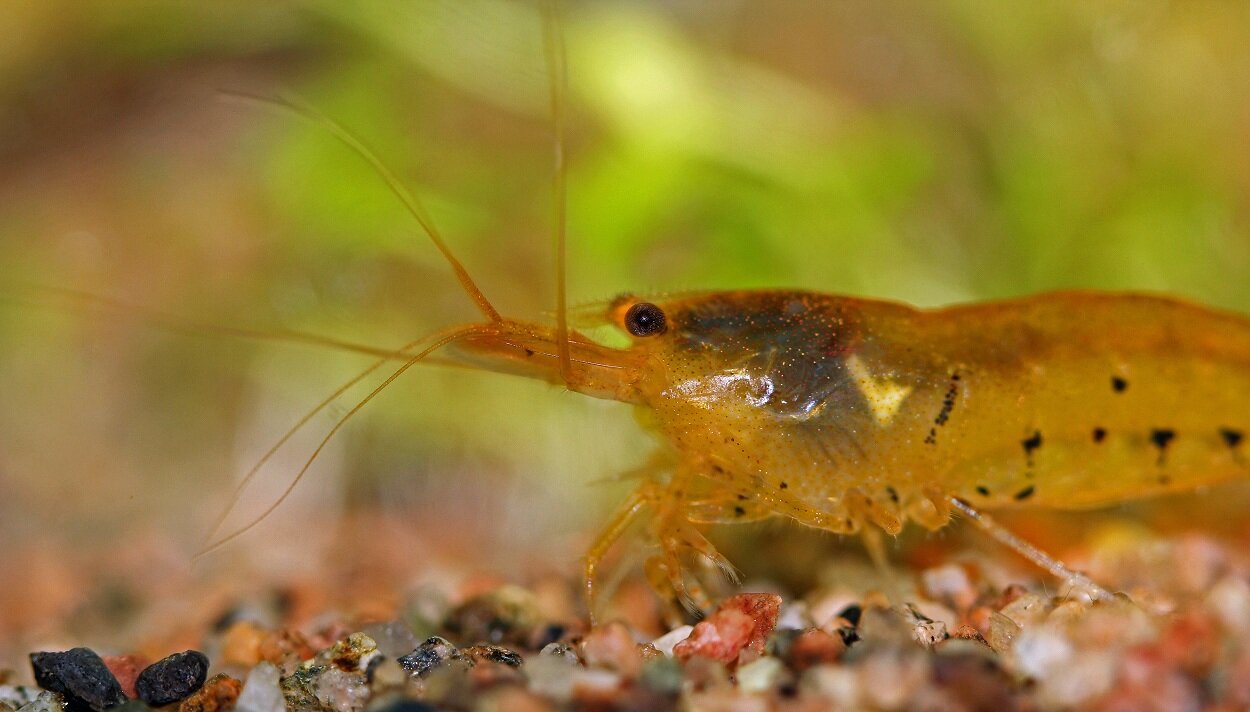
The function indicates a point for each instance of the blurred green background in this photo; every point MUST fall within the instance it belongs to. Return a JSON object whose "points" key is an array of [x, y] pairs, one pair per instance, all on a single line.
{"points": [[925, 152]]}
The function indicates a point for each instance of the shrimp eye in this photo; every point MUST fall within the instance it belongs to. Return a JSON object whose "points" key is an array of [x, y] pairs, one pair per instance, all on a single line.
{"points": [[645, 319]]}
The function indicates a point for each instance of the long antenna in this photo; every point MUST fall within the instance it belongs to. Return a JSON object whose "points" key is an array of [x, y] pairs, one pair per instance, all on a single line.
{"points": [[66, 299], [447, 338], [558, 76], [407, 197]]}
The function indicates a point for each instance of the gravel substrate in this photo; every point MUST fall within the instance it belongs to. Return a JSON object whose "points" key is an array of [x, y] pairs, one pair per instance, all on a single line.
{"points": [[962, 642]]}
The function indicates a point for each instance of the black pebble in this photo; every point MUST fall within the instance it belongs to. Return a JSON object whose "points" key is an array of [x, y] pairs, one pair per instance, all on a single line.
{"points": [[81, 676], [433, 652], [173, 678]]}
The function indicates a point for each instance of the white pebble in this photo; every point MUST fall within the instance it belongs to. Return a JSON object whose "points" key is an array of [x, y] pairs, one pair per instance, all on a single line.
{"points": [[261, 692], [1039, 651], [44, 702], [760, 675], [666, 642], [1230, 598]]}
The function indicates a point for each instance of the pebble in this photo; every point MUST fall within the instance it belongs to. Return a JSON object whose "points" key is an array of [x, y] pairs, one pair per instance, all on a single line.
{"points": [[429, 655], [814, 647], [45, 702], [81, 676], [385, 674], [663, 676], [342, 691], [950, 583], [173, 678], [506, 615], [612, 647], [393, 638], [552, 677], [666, 642], [219, 693], [261, 692], [17, 696], [761, 675], [740, 623], [492, 654], [560, 651], [353, 653], [721, 637], [1038, 651], [126, 669]]}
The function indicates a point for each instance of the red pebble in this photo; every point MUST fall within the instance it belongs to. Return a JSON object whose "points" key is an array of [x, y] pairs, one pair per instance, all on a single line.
{"points": [[126, 669], [742, 622], [1190, 642]]}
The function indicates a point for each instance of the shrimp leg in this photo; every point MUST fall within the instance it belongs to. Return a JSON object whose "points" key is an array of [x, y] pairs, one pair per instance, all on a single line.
{"points": [[625, 515], [1056, 568]]}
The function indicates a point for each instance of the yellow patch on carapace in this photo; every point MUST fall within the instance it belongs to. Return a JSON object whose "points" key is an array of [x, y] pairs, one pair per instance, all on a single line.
{"points": [[884, 396]]}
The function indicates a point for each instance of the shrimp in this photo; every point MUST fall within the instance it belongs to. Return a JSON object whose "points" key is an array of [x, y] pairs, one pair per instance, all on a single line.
{"points": [[844, 414]]}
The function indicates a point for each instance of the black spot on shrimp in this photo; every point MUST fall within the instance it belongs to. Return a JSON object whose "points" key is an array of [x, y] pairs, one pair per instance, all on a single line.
{"points": [[1231, 437], [944, 413], [1161, 438], [1031, 445], [1118, 384]]}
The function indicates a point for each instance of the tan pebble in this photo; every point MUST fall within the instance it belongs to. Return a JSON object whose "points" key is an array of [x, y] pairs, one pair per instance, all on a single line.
{"points": [[613, 647], [1067, 612], [1026, 610], [839, 685], [1001, 632], [951, 585], [893, 681], [240, 645], [814, 647], [285, 648], [388, 674]]}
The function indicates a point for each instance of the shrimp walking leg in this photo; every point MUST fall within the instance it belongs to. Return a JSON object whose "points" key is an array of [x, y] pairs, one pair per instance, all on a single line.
{"points": [[1056, 568], [625, 515]]}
